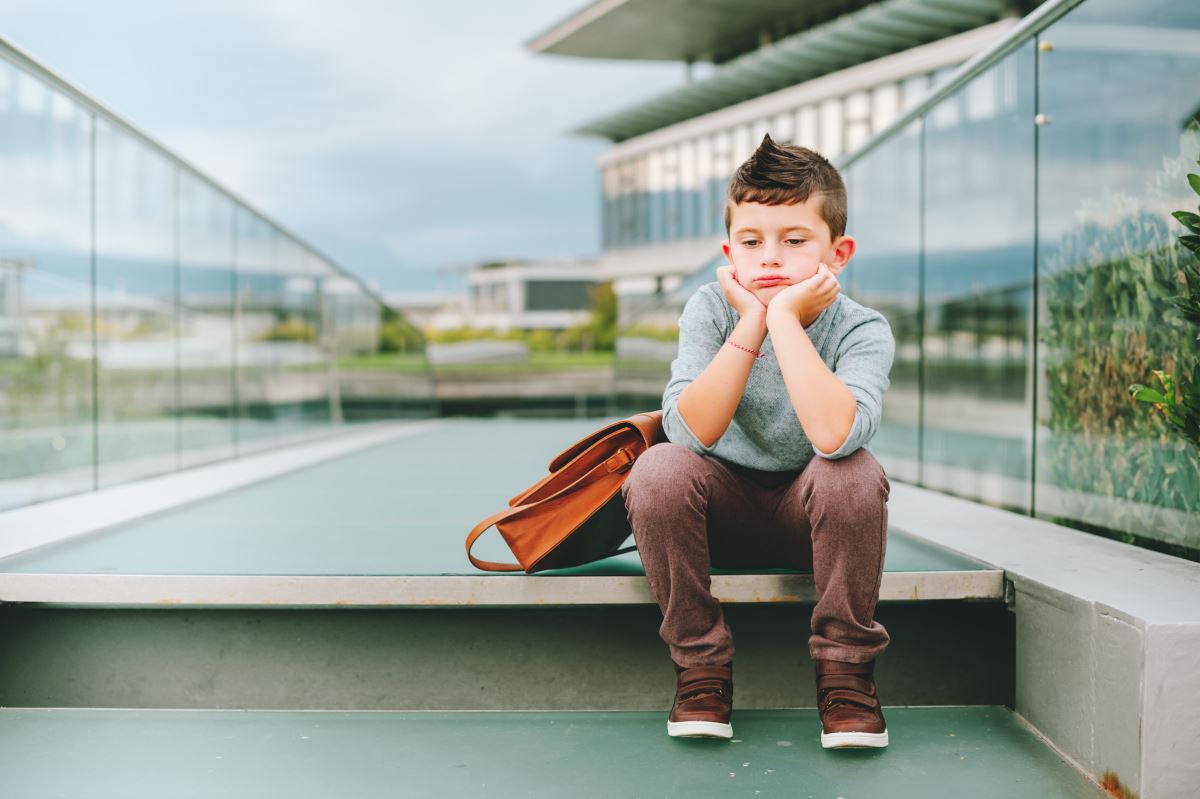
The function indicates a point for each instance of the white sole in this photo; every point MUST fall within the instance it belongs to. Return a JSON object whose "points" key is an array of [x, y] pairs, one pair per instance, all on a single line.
{"points": [[699, 729], [854, 740]]}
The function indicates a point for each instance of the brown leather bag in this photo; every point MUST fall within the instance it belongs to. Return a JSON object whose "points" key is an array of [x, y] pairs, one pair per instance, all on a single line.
{"points": [[575, 514]]}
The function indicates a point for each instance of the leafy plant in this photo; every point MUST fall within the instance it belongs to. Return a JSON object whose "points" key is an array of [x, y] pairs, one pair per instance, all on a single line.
{"points": [[1181, 408], [1109, 293], [294, 328], [397, 334]]}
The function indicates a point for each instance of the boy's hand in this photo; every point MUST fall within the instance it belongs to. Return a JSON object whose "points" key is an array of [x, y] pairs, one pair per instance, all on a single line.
{"points": [[806, 300], [741, 298]]}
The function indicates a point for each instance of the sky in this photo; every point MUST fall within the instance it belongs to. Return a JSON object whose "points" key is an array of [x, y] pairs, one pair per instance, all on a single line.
{"points": [[398, 138]]}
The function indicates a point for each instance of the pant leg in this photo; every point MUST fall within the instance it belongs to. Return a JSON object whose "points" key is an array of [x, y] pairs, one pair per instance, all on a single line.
{"points": [[843, 505], [676, 499]]}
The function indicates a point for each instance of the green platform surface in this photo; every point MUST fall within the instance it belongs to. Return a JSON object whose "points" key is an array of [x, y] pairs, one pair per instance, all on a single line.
{"points": [[401, 508], [977, 752]]}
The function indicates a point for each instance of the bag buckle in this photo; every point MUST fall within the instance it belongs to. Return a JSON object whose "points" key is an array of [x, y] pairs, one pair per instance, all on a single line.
{"points": [[619, 462]]}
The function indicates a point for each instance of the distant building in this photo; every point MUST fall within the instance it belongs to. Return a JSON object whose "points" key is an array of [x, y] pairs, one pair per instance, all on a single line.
{"points": [[519, 294], [422, 307]]}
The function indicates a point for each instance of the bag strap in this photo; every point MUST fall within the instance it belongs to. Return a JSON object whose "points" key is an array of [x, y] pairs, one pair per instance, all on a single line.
{"points": [[480, 529], [491, 565]]}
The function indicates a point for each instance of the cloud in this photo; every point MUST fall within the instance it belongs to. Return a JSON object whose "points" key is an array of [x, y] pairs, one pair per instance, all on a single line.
{"points": [[361, 123]]}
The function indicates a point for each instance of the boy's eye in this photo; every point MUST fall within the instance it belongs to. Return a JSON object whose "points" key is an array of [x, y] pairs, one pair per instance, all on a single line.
{"points": [[752, 242]]}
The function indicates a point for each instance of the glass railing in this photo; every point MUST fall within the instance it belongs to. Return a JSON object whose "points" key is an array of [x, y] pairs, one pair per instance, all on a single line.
{"points": [[1016, 231], [149, 319]]}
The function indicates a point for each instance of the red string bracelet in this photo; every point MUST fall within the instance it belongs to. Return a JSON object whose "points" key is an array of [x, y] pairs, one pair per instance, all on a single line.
{"points": [[755, 353]]}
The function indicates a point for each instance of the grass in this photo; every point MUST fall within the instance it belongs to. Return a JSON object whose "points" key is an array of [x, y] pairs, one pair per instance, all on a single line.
{"points": [[538, 362]]}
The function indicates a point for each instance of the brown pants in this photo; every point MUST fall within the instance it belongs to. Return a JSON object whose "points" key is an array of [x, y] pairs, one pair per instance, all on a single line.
{"points": [[690, 511]]}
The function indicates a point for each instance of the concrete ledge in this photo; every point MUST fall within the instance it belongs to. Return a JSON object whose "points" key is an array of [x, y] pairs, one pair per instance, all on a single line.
{"points": [[240, 591], [1107, 638]]}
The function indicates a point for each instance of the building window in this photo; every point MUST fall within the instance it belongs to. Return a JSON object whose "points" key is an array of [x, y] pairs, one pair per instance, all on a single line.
{"points": [[806, 127], [885, 106], [782, 127], [832, 128], [558, 295]]}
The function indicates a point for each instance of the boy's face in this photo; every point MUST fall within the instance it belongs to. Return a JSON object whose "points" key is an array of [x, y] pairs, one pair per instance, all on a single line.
{"points": [[773, 246]]}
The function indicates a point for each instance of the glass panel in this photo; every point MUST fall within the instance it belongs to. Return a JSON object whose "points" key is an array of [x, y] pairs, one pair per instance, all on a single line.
{"points": [[46, 434], [206, 322], [654, 192], [1118, 86], [136, 318], [979, 238], [294, 339], [885, 274], [256, 290], [316, 408], [647, 341]]}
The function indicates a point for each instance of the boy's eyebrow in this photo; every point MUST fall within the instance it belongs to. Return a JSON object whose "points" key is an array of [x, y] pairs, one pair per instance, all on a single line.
{"points": [[742, 230]]}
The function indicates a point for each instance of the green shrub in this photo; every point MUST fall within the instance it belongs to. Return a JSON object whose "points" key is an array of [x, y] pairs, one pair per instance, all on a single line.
{"points": [[294, 328], [1109, 294], [397, 334], [1181, 409]]}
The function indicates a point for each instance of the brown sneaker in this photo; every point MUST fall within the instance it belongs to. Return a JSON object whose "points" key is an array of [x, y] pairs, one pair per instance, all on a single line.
{"points": [[703, 702], [851, 715]]}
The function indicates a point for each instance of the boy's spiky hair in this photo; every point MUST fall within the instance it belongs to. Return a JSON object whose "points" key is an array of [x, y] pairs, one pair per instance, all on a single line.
{"points": [[783, 174]]}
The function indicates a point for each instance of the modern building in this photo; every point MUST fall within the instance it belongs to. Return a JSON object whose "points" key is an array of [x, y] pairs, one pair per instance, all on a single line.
{"points": [[504, 295], [964, 173], [530, 295], [827, 75]]}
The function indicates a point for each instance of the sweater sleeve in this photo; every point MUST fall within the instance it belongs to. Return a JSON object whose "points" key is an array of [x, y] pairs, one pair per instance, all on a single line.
{"points": [[864, 362], [701, 335]]}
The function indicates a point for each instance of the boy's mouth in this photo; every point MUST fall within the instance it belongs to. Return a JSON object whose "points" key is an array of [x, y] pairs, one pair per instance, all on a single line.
{"points": [[767, 281]]}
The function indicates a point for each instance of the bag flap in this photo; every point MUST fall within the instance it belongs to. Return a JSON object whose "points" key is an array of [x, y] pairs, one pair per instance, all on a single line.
{"points": [[648, 425]]}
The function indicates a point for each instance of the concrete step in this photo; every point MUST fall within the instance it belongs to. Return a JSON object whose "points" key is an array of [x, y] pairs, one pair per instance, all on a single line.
{"points": [[583, 657], [343, 584], [981, 752]]}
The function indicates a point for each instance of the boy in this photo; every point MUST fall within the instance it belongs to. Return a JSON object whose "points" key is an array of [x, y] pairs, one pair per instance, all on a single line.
{"points": [[778, 384]]}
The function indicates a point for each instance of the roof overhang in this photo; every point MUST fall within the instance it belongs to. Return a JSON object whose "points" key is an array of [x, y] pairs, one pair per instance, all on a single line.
{"points": [[683, 30], [874, 31]]}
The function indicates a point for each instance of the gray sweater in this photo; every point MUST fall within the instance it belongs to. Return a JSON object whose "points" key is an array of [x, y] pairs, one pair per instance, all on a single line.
{"points": [[854, 341]]}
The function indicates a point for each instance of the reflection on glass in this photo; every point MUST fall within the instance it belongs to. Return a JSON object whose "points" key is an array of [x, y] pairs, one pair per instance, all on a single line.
{"points": [[647, 342], [256, 327], [979, 234], [884, 192], [137, 389], [46, 441], [954, 219], [206, 323], [205, 331], [1117, 86]]}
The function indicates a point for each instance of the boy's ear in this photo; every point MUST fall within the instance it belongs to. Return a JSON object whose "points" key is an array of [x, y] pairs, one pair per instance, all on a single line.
{"points": [[842, 251], [725, 248]]}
